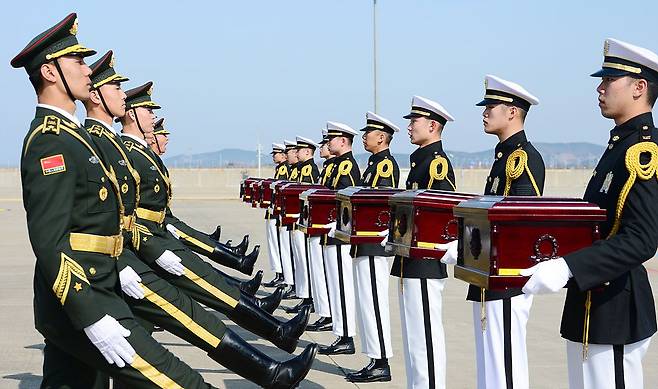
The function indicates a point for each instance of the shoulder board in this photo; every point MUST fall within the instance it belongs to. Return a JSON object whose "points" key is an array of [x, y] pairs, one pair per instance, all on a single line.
{"points": [[51, 125], [96, 129], [129, 144]]}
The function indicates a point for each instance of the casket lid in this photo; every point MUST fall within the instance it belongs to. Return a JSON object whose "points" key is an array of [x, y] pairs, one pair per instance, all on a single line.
{"points": [[321, 195], [266, 182], [519, 208], [305, 195], [431, 198], [295, 188], [356, 194]]}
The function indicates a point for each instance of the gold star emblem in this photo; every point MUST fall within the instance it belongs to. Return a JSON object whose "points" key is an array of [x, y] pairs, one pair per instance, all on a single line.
{"points": [[74, 28], [77, 287], [102, 194]]}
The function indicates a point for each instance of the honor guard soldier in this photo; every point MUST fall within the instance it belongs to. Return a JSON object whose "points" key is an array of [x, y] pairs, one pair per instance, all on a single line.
{"points": [[74, 216], [285, 244], [308, 173], [280, 173], [609, 314], [422, 280], [371, 263], [172, 260], [149, 296], [318, 275], [338, 262], [161, 136], [500, 317]]}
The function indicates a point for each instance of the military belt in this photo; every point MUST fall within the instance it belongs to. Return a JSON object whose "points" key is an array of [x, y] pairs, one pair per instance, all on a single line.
{"points": [[153, 216], [128, 222], [110, 245]]}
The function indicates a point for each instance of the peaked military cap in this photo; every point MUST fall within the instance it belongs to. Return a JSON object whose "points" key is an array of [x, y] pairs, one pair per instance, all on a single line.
{"points": [[325, 137], [306, 143], [102, 71], [158, 127], [141, 97], [422, 107], [278, 148], [335, 129], [376, 122], [57, 41], [624, 59], [290, 145], [499, 91]]}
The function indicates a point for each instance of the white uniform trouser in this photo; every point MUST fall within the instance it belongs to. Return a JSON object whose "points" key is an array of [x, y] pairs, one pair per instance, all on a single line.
{"points": [[607, 365], [421, 307], [286, 256], [500, 351], [371, 275], [318, 278], [340, 282], [273, 245], [300, 259]]}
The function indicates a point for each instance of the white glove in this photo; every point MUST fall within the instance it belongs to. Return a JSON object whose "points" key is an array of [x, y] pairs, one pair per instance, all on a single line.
{"points": [[173, 231], [109, 337], [171, 263], [450, 257], [385, 235], [332, 229], [130, 283], [547, 277]]}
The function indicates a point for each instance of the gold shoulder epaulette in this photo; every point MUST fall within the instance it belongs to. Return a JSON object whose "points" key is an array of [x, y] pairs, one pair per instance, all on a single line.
{"points": [[96, 129], [51, 124]]}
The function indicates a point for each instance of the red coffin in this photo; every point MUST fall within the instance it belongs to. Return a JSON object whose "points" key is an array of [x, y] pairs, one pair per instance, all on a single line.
{"points": [[290, 206], [420, 219], [363, 213], [318, 209], [277, 199], [265, 192], [499, 236], [246, 189]]}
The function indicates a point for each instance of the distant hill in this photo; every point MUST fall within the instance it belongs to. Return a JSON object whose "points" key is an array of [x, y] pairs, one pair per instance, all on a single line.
{"points": [[556, 155]]}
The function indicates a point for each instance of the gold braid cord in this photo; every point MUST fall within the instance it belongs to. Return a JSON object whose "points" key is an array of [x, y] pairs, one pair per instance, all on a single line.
{"points": [[517, 164], [344, 169], [636, 169], [384, 170], [439, 171], [327, 173]]}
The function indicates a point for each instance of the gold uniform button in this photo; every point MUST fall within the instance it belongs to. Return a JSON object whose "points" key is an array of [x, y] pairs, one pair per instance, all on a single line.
{"points": [[615, 138], [610, 147], [489, 179], [124, 188], [92, 270], [156, 188], [102, 194], [413, 164], [499, 155], [369, 163], [102, 179], [645, 127]]}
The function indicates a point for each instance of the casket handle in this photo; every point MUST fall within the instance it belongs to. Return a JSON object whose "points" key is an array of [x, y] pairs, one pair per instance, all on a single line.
{"points": [[446, 230], [539, 256]]}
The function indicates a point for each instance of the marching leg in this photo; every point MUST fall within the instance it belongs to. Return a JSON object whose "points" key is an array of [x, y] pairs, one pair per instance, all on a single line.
{"points": [[273, 245], [286, 258], [320, 288]]}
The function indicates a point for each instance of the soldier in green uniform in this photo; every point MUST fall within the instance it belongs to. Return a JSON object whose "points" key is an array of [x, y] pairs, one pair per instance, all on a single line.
{"points": [[171, 259], [74, 216], [149, 296], [371, 262], [422, 280], [609, 314], [338, 262], [271, 229], [161, 136]]}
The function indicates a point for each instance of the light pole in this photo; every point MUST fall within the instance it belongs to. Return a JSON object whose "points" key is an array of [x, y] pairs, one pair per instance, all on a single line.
{"points": [[374, 49]]}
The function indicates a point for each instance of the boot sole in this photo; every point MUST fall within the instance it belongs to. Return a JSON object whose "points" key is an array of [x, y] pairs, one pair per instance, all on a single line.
{"points": [[341, 352], [376, 379]]}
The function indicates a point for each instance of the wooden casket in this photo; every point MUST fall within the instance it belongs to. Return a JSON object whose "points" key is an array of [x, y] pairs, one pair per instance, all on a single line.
{"points": [[318, 208], [363, 213], [289, 200]]}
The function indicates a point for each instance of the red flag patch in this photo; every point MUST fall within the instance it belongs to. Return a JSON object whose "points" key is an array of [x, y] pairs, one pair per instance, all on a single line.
{"points": [[53, 164]]}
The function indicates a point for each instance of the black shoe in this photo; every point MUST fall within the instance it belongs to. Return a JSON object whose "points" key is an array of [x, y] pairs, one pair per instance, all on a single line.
{"points": [[342, 345], [251, 287], [215, 235], [270, 303], [377, 370], [273, 284], [247, 361], [299, 306], [289, 294], [322, 324]]}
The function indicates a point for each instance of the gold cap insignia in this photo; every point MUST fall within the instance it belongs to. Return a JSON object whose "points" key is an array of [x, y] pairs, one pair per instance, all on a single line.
{"points": [[486, 83], [150, 91], [74, 28], [606, 48], [112, 61], [102, 194]]}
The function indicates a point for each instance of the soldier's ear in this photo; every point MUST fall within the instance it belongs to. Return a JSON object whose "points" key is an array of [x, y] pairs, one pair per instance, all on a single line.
{"points": [[49, 73], [640, 87], [131, 114], [94, 96]]}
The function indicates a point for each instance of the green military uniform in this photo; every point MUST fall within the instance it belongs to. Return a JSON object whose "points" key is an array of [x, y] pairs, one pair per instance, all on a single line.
{"points": [[74, 222], [163, 304]]}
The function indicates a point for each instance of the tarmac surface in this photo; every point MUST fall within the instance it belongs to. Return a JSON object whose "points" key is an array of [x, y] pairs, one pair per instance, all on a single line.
{"points": [[21, 345]]}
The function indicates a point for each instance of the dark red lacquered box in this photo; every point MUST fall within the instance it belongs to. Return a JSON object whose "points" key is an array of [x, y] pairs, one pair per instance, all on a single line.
{"points": [[318, 209], [420, 219], [246, 189], [277, 199], [363, 213], [499, 236], [290, 205], [265, 192]]}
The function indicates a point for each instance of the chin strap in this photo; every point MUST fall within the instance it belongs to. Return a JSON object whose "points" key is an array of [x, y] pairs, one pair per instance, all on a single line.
{"points": [[61, 75]]}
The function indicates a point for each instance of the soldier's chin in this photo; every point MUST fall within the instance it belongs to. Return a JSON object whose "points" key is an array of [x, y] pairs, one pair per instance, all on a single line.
{"points": [[606, 113]]}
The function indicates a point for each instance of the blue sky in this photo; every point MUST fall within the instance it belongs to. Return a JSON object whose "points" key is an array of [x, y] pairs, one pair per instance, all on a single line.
{"points": [[231, 74]]}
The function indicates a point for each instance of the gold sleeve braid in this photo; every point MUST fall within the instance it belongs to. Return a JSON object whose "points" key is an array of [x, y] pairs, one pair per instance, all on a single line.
{"points": [[516, 165], [439, 171], [384, 170], [344, 169], [67, 269]]}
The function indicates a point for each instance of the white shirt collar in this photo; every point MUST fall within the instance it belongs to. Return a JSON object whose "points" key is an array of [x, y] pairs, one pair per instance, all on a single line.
{"points": [[62, 112], [138, 139], [108, 126]]}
